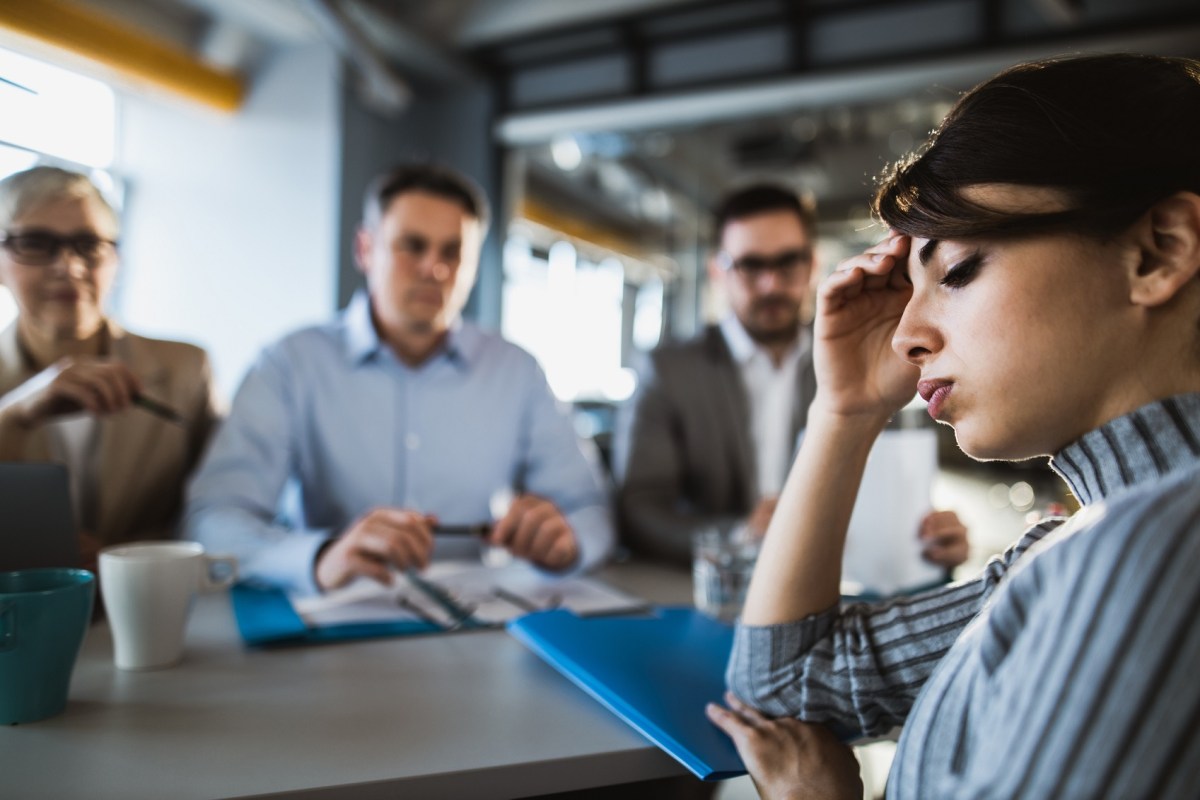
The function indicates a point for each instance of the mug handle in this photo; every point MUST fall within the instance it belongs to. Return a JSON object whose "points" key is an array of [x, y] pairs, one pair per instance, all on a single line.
{"points": [[8, 626], [208, 584]]}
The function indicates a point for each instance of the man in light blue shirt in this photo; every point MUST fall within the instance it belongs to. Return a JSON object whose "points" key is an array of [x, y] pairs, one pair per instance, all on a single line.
{"points": [[399, 420]]}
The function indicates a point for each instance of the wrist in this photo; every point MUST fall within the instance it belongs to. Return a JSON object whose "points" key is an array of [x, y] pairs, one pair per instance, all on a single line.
{"points": [[13, 416], [318, 557], [829, 416]]}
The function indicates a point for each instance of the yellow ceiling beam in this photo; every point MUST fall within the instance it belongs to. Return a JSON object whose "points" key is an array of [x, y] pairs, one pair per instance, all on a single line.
{"points": [[130, 53], [535, 211]]}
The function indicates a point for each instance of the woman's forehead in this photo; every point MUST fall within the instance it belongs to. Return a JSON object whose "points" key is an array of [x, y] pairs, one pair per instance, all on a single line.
{"points": [[70, 210]]}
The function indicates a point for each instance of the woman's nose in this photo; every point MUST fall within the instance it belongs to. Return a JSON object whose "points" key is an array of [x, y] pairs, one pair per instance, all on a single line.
{"points": [[916, 337]]}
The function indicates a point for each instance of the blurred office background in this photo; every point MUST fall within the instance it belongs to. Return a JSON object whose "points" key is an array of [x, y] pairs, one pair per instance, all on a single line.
{"points": [[238, 136]]}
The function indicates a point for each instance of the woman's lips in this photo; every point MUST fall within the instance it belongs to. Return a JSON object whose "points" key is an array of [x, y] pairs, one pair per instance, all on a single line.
{"points": [[935, 392]]}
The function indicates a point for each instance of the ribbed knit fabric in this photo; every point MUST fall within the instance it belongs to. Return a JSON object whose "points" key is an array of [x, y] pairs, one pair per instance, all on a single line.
{"points": [[1067, 669]]}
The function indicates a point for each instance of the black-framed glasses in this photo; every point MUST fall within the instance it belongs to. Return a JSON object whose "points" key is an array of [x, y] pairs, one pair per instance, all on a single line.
{"points": [[750, 266], [39, 247]]}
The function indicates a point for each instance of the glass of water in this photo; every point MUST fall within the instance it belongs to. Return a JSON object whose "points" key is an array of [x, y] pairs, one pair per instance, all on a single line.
{"points": [[722, 563]]}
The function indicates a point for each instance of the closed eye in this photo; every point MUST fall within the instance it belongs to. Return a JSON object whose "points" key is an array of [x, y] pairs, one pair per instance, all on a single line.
{"points": [[963, 272]]}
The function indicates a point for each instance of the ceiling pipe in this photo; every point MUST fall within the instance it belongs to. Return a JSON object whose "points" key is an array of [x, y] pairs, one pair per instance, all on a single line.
{"points": [[836, 87], [382, 90], [1063, 12]]}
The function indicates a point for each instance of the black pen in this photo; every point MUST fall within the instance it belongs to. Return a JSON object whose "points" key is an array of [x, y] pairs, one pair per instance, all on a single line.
{"points": [[417, 611], [482, 529], [515, 599], [160, 410]]}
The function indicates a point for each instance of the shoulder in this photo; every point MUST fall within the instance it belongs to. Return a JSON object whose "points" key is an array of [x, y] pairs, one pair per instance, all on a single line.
{"points": [[488, 347], [1131, 543], [706, 350], [174, 354], [304, 343], [1161, 515]]}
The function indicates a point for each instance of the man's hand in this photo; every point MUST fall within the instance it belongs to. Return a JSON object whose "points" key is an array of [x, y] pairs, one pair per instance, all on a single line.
{"points": [[377, 542], [943, 539], [788, 758], [760, 517], [534, 529]]}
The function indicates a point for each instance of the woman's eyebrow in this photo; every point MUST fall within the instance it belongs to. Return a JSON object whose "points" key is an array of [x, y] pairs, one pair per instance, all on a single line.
{"points": [[926, 251]]}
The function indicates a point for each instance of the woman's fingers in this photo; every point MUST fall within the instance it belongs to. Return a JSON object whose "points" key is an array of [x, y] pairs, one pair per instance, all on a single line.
{"points": [[98, 387], [752, 716]]}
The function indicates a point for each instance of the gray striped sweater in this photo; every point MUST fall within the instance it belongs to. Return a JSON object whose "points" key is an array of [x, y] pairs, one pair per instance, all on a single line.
{"points": [[1069, 668]]}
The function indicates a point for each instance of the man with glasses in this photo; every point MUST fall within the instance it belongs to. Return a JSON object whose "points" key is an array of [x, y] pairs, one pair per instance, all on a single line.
{"points": [[707, 440], [406, 432]]}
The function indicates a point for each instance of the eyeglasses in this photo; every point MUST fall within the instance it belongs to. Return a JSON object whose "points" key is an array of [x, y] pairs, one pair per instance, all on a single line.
{"points": [[38, 247], [750, 266]]}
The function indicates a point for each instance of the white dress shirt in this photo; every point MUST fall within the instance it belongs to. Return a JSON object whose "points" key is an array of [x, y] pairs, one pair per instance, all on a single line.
{"points": [[771, 392]]}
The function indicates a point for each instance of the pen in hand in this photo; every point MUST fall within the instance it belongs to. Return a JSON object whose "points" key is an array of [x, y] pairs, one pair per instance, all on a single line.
{"points": [[481, 529], [160, 410]]}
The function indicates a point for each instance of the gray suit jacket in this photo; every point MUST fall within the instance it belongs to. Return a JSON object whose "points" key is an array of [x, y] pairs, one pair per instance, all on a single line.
{"points": [[683, 454]]}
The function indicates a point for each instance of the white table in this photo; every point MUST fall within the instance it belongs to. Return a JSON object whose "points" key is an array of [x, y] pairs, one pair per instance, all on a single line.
{"points": [[463, 715]]}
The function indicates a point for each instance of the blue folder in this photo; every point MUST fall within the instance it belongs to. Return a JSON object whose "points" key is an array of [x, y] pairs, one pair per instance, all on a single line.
{"points": [[656, 672], [265, 616]]}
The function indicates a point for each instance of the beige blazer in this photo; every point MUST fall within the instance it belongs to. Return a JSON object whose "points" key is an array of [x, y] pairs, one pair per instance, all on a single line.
{"points": [[142, 461]]}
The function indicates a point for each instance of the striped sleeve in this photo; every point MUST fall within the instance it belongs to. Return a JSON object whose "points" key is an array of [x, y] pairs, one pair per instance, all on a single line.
{"points": [[1097, 695], [859, 667]]}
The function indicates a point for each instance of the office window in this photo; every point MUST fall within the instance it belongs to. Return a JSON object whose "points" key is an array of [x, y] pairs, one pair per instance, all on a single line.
{"points": [[52, 115], [567, 311], [55, 112]]}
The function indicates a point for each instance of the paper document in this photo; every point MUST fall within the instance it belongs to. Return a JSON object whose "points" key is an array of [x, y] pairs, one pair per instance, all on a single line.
{"points": [[883, 553], [462, 594]]}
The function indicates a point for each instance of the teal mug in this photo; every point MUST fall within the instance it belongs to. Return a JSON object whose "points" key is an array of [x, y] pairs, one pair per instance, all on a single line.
{"points": [[44, 614]]}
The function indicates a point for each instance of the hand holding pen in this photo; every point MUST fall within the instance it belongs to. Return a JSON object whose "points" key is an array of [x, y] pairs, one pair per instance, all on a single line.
{"points": [[535, 529], [376, 544], [73, 385]]}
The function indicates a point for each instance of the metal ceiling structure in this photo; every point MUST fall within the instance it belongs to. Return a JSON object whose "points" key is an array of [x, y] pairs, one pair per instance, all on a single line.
{"points": [[674, 98]]}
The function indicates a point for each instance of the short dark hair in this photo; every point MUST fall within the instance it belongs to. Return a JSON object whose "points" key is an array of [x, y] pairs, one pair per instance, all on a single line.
{"points": [[1115, 133], [761, 198], [422, 177]]}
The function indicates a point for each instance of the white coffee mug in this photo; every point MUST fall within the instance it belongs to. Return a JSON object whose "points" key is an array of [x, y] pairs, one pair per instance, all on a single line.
{"points": [[148, 589]]}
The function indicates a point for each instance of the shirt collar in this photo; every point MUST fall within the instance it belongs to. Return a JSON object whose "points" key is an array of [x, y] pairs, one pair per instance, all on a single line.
{"points": [[462, 346], [1143, 445]]}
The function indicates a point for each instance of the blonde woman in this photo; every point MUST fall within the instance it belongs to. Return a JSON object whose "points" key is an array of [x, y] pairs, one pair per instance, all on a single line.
{"points": [[128, 415]]}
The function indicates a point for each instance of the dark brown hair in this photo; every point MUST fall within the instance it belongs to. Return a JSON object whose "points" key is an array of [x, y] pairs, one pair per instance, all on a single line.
{"points": [[1115, 133], [419, 177], [761, 198]]}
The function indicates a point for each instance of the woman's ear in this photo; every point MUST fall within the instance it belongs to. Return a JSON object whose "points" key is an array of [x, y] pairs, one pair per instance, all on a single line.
{"points": [[1169, 240]]}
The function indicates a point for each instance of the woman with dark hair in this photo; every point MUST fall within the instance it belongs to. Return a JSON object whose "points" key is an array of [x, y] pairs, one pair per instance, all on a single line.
{"points": [[1041, 290]]}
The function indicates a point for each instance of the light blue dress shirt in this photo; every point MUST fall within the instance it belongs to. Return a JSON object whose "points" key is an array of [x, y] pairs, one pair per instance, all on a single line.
{"points": [[329, 424]]}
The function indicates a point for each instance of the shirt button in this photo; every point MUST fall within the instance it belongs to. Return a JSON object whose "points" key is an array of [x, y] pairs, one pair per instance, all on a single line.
{"points": [[412, 441]]}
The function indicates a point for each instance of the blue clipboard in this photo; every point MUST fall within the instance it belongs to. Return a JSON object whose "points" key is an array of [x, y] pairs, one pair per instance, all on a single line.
{"points": [[265, 616], [656, 672]]}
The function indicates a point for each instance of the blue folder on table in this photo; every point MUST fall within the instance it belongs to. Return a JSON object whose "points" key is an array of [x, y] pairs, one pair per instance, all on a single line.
{"points": [[656, 672], [265, 615]]}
